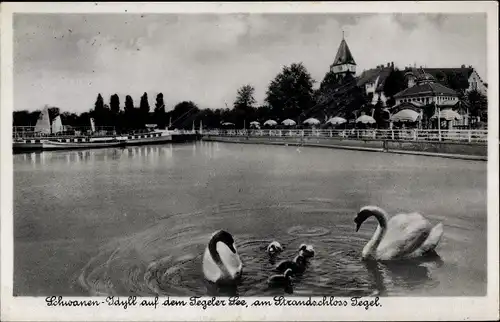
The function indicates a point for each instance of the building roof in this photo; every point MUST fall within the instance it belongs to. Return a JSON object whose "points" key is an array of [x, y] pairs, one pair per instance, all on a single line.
{"points": [[423, 89], [371, 75], [466, 71], [406, 106], [438, 73], [344, 55]]}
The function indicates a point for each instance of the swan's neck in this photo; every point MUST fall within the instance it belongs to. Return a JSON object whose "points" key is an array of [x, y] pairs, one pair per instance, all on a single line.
{"points": [[212, 248], [371, 247], [224, 258]]}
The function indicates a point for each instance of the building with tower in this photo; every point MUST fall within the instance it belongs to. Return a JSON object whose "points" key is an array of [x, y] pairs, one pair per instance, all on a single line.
{"points": [[343, 63]]}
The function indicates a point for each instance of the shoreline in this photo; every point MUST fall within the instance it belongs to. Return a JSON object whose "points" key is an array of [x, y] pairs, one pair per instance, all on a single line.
{"points": [[357, 145]]}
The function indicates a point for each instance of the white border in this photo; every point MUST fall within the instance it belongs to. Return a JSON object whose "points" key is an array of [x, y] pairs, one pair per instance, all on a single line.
{"points": [[440, 308]]}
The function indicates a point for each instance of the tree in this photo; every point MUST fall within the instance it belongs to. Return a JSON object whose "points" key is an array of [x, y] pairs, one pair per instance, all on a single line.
{"points": [[478, 104], [159, 111], [114, 103], [379, 115], [144, 109], [244, 98], [68, 118], [54, 112], [130, 119], [291, 92], [394, 83], [144, 105], [184, 114], [329, 81], [244, 111], [101, 112], [25, 118], [457, 81], [99, 103], [129, 104]]}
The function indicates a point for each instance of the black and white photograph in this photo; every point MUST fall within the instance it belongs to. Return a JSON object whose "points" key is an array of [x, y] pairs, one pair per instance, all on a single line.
{"points": [[338, 157]]}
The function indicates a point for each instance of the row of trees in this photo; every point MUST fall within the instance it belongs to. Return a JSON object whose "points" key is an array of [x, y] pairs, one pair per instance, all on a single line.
{"points": [[289, 95]]}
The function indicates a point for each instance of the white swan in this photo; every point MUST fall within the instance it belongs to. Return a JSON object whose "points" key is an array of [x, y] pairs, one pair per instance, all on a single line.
{"points": [[403, 236], [221, 262], [274, 248]]}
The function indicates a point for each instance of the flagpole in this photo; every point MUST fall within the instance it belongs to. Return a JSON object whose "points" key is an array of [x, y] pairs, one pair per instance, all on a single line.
{"points": [[439, 123]]}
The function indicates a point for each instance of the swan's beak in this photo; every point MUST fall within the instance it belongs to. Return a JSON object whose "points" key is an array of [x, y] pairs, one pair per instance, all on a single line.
{"points": [[357, 226]]}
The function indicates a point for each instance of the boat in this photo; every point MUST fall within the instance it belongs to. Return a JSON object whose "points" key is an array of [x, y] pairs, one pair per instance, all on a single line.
{"points": [[154, 137], [80, 143], [27, 144]]}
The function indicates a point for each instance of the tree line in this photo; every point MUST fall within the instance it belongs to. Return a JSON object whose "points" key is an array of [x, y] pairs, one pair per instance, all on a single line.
{"points": [[290, 94]]}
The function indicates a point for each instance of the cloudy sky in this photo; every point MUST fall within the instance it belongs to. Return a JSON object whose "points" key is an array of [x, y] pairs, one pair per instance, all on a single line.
{"points": [[65, 60]]}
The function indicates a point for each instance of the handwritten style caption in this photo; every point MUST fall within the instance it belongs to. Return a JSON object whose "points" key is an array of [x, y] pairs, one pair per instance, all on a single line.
{"points": [[205, 303]]}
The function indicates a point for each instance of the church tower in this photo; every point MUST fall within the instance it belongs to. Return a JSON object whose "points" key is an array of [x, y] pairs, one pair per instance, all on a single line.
{"points": [[344, 62]]}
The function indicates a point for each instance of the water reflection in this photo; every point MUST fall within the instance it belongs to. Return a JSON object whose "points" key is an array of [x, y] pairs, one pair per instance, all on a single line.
{"points": [[148, 213], [152, 155], [406, 274]]}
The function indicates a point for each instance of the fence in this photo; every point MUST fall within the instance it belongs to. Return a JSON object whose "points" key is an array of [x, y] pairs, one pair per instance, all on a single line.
{"points": [[28, 132], [471, 136]]}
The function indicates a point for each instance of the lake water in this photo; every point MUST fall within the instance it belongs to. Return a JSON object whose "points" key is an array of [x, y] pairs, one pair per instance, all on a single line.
{"points": [[137, 220]]}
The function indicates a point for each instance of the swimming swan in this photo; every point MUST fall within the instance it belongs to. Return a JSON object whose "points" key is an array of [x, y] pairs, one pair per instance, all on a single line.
{"points": [[403, 236], [221, 262], [274, 248]]}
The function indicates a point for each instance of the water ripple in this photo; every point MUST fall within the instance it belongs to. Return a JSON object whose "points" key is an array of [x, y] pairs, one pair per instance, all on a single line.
{"points": [[166, 258]]}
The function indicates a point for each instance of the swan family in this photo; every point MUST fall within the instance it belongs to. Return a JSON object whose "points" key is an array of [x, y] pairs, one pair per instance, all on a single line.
{"points": [[403, 236]]}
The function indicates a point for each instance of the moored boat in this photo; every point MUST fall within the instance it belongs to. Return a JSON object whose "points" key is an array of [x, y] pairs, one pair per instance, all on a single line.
{"points": [[155, 137], [27, 144], [81, 144]]}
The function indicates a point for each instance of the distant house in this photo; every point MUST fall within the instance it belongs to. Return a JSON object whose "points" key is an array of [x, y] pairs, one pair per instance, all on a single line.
{"points": [[425, 90], [373, 80], [462, 78]]}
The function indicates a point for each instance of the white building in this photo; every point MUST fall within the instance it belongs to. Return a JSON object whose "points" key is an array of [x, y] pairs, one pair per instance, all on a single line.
{"points": [[469, 75], [373, 81], [425, 90]]}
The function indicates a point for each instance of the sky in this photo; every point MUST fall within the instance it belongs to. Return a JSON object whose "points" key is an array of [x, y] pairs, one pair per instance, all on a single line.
{"points": [[65, 60]]}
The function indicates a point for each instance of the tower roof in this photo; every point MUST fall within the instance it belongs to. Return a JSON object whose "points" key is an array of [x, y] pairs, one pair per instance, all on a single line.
{"points": [[344, 55]]}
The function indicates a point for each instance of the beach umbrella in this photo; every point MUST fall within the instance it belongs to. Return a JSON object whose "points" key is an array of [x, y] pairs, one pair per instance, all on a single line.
{"points": [[405, 116], [255, 124], [270, 122], [336, 120], [312, 121], [365, 119], [288, 122], [448, 115]]}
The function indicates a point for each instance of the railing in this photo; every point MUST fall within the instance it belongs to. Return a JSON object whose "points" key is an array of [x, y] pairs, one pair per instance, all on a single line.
{"points": [[28, 132], [471, 136]]}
